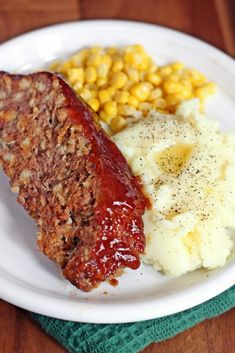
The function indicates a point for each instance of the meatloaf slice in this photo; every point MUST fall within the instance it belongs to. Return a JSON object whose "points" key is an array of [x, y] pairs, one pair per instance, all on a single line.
{"points": [[70, 177]]}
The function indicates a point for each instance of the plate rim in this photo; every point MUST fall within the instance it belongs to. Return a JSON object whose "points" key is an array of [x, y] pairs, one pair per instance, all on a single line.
{"points": [[133, 23], [150, 309]]}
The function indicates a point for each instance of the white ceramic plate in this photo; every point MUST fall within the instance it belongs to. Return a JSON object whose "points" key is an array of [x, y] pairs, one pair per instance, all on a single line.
{"points": [[27, 278]]}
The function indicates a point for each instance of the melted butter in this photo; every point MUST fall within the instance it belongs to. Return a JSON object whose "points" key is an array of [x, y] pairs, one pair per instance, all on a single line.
{"points": [[192, 240], [174, 158]]}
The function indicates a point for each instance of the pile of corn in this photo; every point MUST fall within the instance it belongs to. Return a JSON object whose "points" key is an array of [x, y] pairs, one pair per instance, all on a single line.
{"points": [[122, 84]]}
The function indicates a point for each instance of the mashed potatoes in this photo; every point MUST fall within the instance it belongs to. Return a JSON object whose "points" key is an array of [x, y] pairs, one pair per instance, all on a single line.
{"points": [[187, 166]]}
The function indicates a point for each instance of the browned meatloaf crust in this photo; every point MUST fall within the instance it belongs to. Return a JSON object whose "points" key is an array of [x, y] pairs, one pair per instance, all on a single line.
{"points": [[70, 178]]}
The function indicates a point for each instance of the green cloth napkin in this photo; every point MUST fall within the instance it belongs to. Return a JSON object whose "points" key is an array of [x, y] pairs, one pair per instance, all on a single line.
{"points": [[133, 337]]}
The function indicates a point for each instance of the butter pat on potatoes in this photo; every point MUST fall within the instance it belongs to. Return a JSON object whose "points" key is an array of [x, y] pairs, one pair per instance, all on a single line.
{"points": [[187, 166]]}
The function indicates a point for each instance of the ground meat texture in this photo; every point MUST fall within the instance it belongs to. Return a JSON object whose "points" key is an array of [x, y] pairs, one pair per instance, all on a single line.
{"points": [[71, 178]]}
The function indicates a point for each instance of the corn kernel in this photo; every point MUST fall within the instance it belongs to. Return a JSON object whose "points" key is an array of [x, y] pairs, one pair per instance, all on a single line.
{"points": [[94, 93], [104, 96], [90, 74], [105, 117], [93, 60], [117, 124], [86, 94], [121, 109], [96, 49], [90, 86], [80, 57], [212, 87], [150, 85], [142, 75], [154, 78], [101, 82], [199, 92], [121, 97], [119, 79], [177, 66], [127, 86], [111, 90], [77, 86], [107, 60], [131, 58], [173, 100], [75, 75], [205, 90], [137, 59], [154, 94], [133, 101], [163, 111], [144, 64], [165, 70], [171, 87], [94, 104], [186, 90], [133, 74], [111, 50], [152, 68], [117, 65], [65, 66], [77, 60], [110, 108], [160, 103], [141, 91], [139, 48], [174, 77], [126, 110], [186, 82], [196, 77], [102, 70], [145, 106]]}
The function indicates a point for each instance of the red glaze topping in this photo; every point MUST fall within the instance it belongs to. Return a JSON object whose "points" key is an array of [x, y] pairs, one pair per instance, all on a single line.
{"points": [[113, 282], [118, 211]]}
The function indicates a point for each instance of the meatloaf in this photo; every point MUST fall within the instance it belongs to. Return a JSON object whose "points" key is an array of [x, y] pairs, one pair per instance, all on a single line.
{"points": [[71, 178]]}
